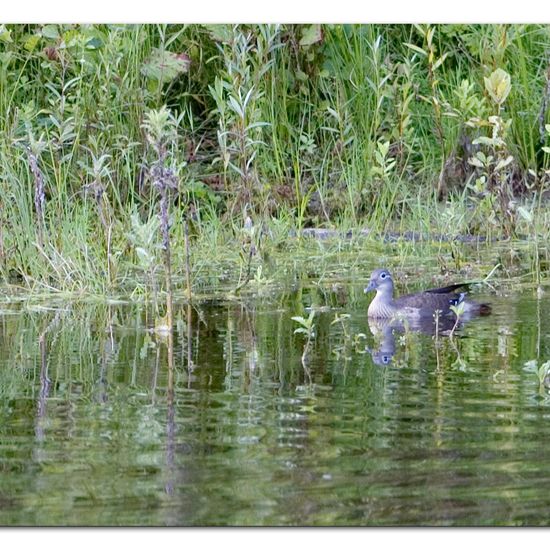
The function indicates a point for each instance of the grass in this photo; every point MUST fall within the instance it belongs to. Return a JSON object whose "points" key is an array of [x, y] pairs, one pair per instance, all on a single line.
{"points": [[385, 127]]}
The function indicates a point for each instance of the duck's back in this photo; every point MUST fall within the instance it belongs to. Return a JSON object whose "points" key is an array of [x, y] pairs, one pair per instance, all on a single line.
{"points": [[427, 302]]}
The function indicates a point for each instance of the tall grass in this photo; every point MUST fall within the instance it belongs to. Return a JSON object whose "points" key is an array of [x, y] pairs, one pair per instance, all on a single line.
{"points": [[348, 126]]}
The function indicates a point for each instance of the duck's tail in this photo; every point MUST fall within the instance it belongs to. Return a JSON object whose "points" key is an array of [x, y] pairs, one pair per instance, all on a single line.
{"points": [[485, 309]]}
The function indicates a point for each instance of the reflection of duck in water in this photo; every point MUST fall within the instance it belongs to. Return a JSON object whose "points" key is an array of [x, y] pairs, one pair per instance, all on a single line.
{"points": [[384, 332], [421, 305]]}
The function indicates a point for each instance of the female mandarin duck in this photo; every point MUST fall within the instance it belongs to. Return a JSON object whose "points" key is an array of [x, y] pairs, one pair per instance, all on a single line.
{"points": [[423, 304]]}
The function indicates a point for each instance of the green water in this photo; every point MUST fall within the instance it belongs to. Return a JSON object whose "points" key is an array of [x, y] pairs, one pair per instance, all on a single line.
{"points": [[100, 425]]}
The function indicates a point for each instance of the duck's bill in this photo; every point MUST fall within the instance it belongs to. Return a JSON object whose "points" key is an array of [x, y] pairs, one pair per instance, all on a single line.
{"points": [[371, 286]]}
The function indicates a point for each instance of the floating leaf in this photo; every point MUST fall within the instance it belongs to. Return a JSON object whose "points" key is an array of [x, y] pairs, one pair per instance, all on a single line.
{"points": [[498, 85], [311, 35], [165, 66]]}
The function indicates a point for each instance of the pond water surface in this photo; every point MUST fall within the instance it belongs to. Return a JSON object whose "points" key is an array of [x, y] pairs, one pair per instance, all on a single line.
{"points": [[104, 422]]}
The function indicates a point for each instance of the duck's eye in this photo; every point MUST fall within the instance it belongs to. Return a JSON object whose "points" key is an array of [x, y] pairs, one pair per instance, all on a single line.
{"points": [[382, 275]]}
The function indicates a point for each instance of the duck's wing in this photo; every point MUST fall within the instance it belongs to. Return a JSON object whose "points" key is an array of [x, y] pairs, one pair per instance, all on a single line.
{"points": [[431, 300], [448, 289]]}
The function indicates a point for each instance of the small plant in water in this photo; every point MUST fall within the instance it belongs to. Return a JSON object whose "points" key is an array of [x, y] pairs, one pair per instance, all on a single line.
{"points": [[542, 372], [308, 328], [437, 315], [458, 310], [342, 319], [248, 250]]}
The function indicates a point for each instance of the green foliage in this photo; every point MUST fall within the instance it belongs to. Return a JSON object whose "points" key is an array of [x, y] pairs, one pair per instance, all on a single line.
{"points": [[542, 372], [336, 125], [498, 85], [306, 325], [165, 66]]}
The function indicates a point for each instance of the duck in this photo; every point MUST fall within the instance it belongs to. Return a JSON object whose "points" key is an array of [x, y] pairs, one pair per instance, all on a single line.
{"points": [[420, 305]]}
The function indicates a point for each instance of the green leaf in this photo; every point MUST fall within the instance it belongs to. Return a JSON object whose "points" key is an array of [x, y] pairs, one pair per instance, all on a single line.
{"points": [[503, 163], [474, 161], [498, 85], [430, 35], [525, 214], [440, 61], [221, 33], [484, 140], [5, 34], [144, 256], [383, 147], [31, 42], [531, 365], [234, 104], [94, 43], [50, 31], [311, 35], [416, 49], [300, 320], [458, 310], [165, 66]]}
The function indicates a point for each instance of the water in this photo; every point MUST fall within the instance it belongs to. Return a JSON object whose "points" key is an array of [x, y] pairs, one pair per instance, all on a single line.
{"points": [[97, 429]]}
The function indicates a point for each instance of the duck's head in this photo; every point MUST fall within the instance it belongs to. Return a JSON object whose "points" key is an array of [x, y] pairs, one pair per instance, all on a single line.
{"points": [[381, 281]]}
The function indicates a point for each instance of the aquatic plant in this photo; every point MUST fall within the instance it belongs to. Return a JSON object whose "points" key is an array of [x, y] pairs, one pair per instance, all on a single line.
{"points": [[542, 372], [306, 327], [458, 310]]}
